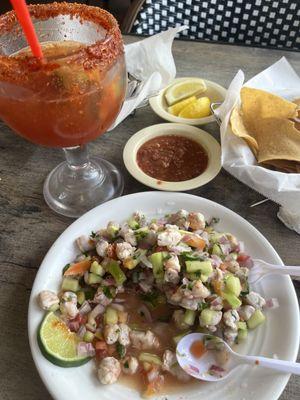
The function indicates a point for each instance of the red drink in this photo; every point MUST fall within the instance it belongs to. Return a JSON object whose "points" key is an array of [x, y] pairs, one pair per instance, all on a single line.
{"points": [[71, 97]]}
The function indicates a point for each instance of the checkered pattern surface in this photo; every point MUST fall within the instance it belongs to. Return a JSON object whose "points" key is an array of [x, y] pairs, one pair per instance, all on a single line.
{"points": [[256, 23]]}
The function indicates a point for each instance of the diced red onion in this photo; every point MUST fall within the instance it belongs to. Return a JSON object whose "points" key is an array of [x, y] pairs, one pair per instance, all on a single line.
{"points": [[216, 260], [85, 308], [216, 302], [109, 281], [85, 349], [86, 277], [116, 300], [118, 307], [272, 303], [81, 331], [90, 328], [145, 261], [223, 240], [98, 310], [226, 247], [144, 310], [194, 369], [73, 326], [186, 238], [153, 374], [216, 370]]}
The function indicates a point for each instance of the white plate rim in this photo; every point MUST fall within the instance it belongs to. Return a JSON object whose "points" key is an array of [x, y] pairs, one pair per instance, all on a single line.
{"points": [[167, 195], [155, 103], [210, 144]]}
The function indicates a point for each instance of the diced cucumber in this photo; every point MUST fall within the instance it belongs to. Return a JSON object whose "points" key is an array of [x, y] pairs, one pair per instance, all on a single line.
{"points": [[114, 269], [97, 269], [204, 267], [234, 301], [150, 358], [111, 316], [80, 297], [93, 279], [70, 284], [189, 317], [133, 224], [112, 230], [141, 233], [256, 319], [233, 285], [215, 237], [242, 334], [157, 261], [204, 278], [88, 336], [216, 250], [207, 316], [234, 256], [177, 338], [242, 326]]}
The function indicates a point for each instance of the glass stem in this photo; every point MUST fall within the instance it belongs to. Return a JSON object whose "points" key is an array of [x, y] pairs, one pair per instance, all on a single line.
{"points": [[77, 157]]}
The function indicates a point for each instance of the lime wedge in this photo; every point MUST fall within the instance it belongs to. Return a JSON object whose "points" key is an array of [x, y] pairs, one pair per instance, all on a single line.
{"points": [[198, 109], [176, 108], [181, 90], [57, 343]]}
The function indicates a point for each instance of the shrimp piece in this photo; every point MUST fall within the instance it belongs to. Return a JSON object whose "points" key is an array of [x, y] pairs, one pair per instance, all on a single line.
{"points": [[124, 250], [68, 305], [109, 370], [144, 340], [130, 365], [124, 332], [169, 237], [197, 221], [85, 243], [102, 247], [111, 333], [231, 318], [48, 300]]}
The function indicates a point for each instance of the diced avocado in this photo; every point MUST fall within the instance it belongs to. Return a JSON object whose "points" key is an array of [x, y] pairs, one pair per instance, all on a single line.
{"points": [[114, 269], [132, 262], [206, 316], [150, 358], [234, 301], [204, 267], [216, 250], [93, 279], [234, 256], [157, 261], [80, 297], [133, 224], [97, 269], [233, 285], [256, 319], [70, 284], [242, 334], [189, 317], [141, 233], [177, 338], [111, 316], [242, 326]]}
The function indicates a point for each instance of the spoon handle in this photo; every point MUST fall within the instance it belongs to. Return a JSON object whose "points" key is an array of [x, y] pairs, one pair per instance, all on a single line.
{"points": [[279, 365]]}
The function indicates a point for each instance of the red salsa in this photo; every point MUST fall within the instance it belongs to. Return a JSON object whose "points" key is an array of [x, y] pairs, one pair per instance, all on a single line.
{"points": [[172, 158]]}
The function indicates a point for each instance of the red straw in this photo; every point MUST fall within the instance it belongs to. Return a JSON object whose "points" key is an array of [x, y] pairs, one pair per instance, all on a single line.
{"points": [[24, 18]]}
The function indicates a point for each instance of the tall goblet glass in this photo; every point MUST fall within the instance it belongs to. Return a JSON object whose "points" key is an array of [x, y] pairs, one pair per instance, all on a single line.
{"points": [[68, 99]]}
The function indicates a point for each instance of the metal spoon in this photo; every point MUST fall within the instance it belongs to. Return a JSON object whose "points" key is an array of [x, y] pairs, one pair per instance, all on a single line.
{"points": [[208, 368], [261, 269]]}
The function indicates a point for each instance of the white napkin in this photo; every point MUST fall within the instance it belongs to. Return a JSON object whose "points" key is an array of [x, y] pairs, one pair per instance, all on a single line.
{"points": [[151, 61], [237, 158]]}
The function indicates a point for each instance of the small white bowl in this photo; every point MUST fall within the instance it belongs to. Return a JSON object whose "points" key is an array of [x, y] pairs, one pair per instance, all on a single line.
{"points": [[210, 145], [215, 92]]}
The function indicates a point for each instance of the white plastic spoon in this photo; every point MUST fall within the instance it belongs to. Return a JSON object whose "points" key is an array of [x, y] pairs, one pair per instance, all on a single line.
{"points": [[261, 269], [207, 367]]}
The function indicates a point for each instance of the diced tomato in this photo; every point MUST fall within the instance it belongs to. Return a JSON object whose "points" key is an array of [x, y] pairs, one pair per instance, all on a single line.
{"points": [[223, 266], [154, 387], [81, 319], [242, 257], [101, 349], [158, 249], [111, 349], [111, 251]]}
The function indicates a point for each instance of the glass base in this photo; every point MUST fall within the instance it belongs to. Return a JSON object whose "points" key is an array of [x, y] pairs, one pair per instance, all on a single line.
{"points": [[73, 191]]}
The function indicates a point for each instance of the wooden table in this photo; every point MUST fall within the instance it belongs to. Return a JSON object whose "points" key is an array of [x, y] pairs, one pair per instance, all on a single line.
{"points": [[28, 227]]}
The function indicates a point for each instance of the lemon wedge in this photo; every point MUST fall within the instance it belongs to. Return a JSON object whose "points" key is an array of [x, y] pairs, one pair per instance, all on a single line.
{"points": [[181, 90], [198, 109], [176, 108]]}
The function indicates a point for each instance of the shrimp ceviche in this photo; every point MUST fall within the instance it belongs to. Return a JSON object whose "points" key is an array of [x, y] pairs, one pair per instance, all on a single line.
{"points": [[137, 288]]}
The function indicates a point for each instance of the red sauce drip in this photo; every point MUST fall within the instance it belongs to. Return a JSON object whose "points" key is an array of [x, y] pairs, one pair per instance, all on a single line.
{"points": [[197, 349], [172, 158]]}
